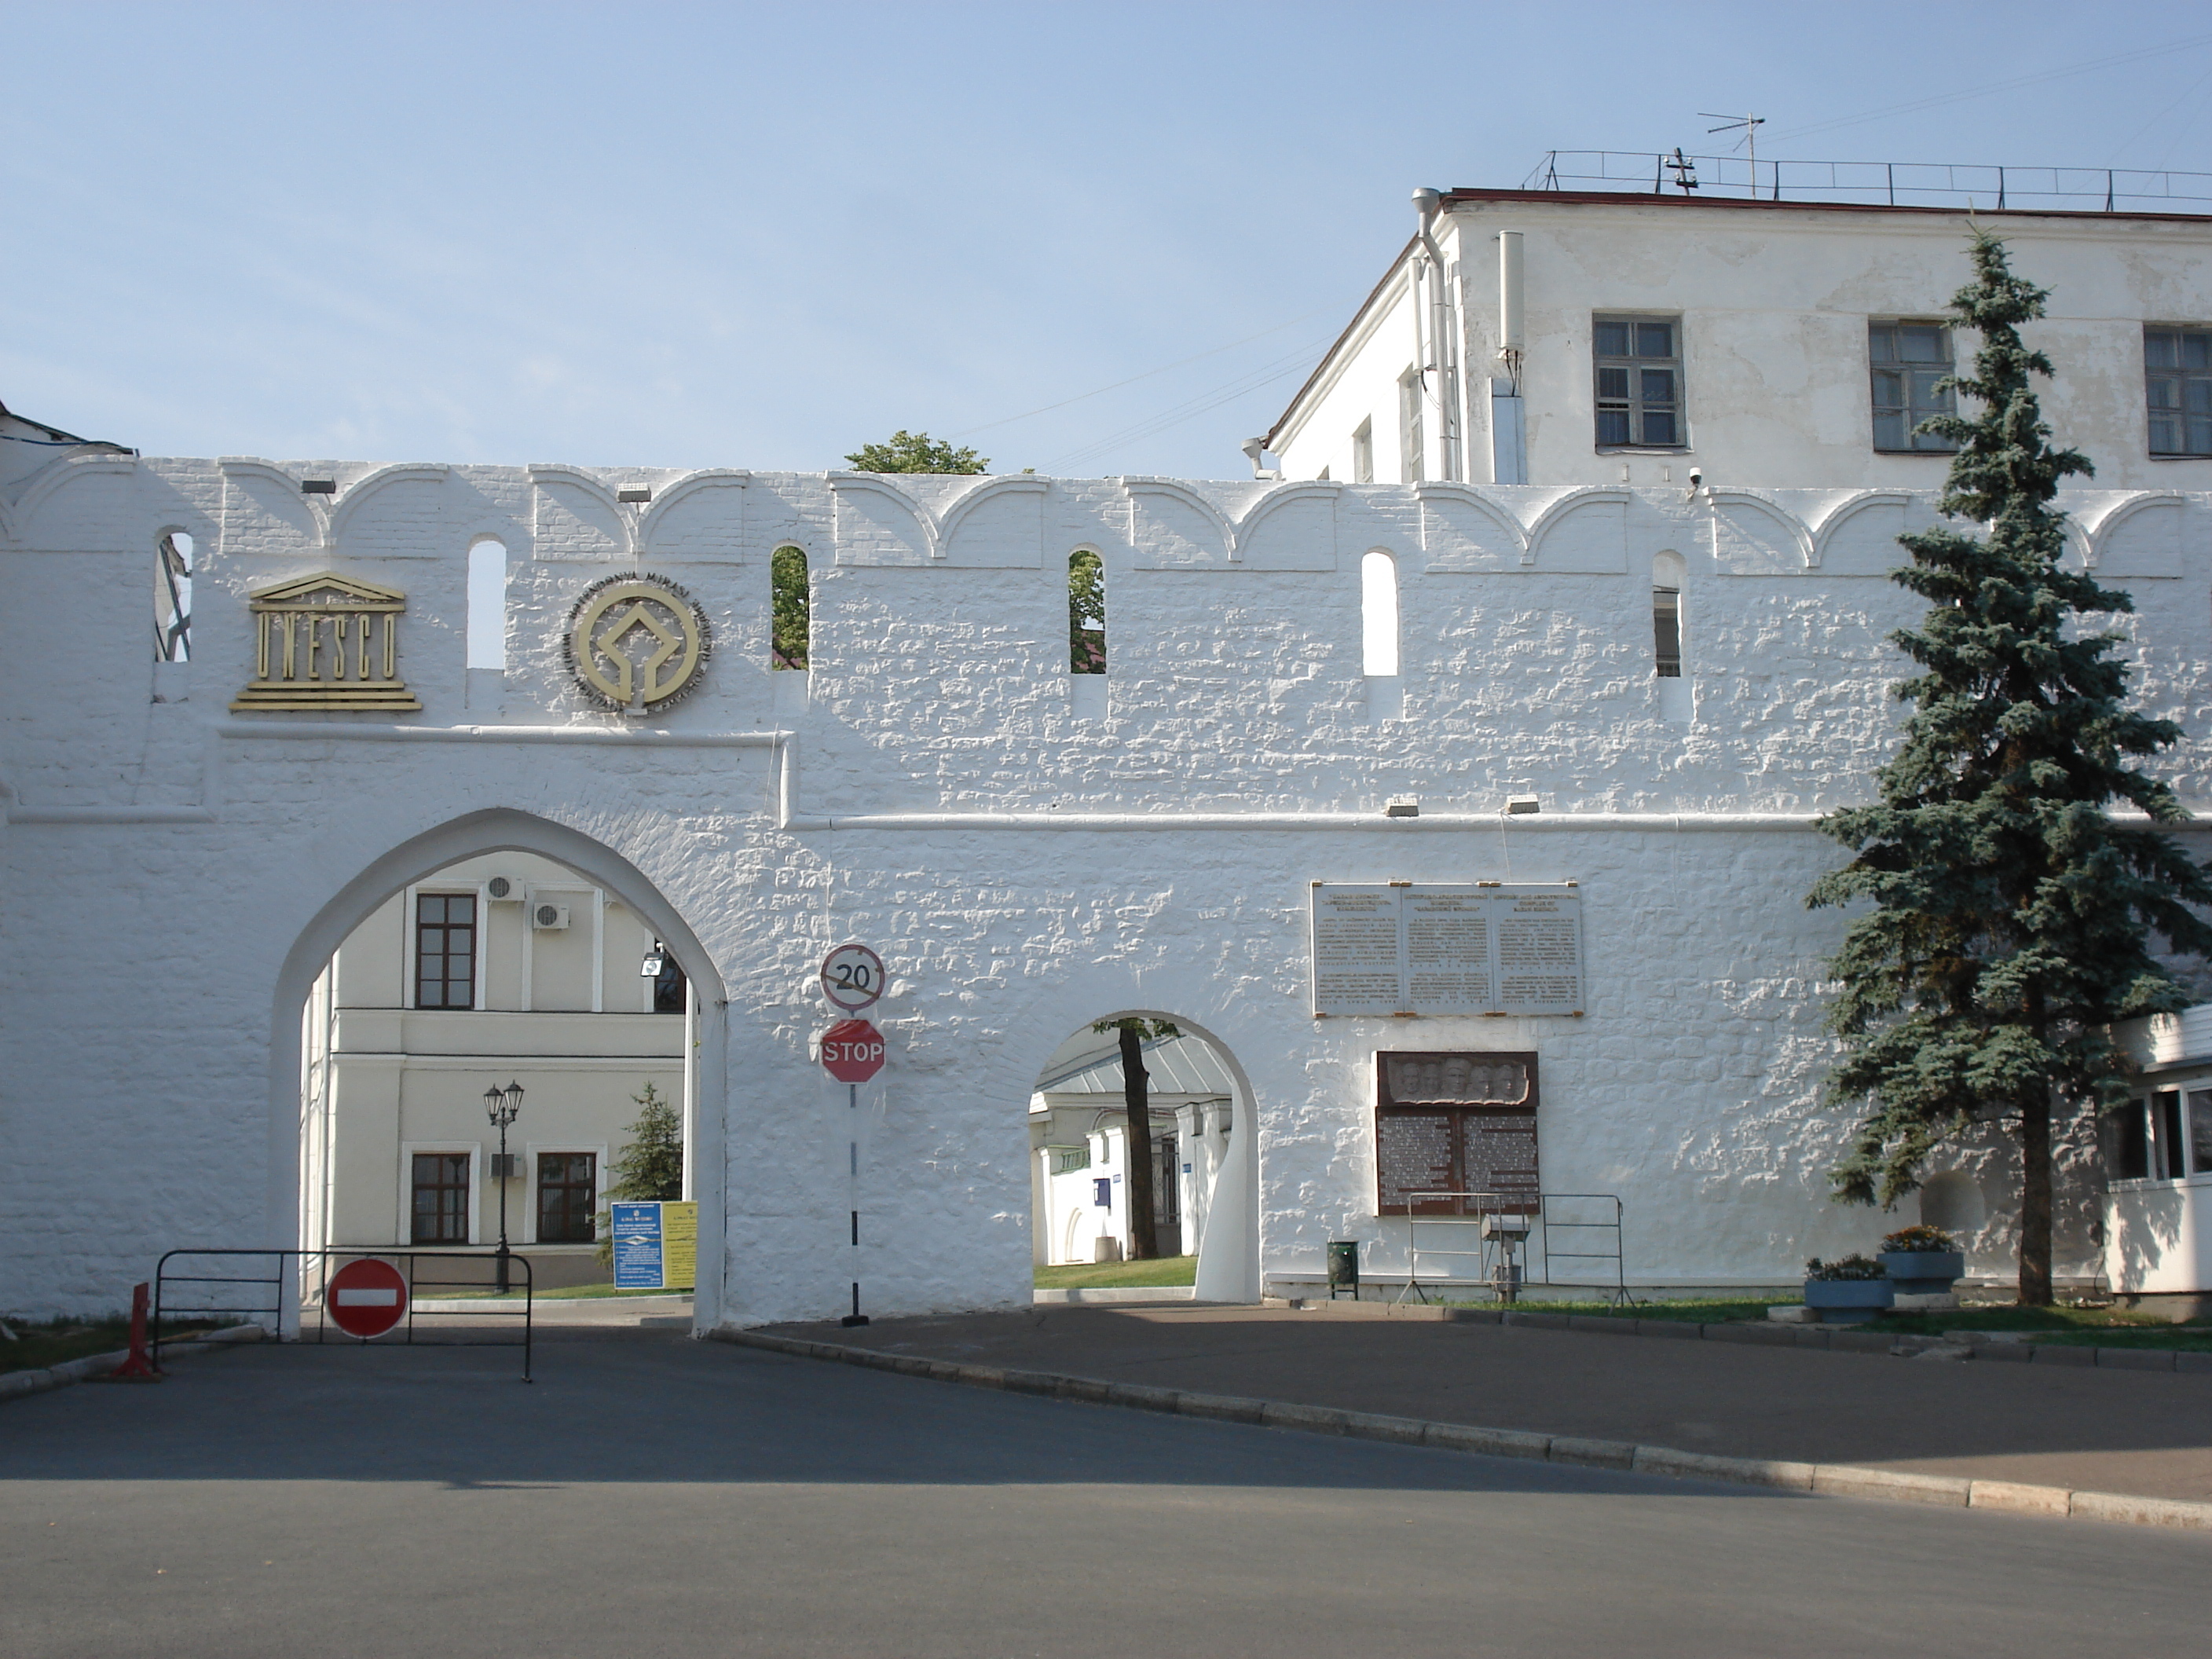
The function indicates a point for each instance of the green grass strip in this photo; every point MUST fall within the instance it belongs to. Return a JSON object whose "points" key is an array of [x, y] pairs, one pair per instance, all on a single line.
{"points": [[1158, 1273]]}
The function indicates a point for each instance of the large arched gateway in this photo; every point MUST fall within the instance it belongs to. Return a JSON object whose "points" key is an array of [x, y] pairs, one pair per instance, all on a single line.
{"points": [[1425, 985]]}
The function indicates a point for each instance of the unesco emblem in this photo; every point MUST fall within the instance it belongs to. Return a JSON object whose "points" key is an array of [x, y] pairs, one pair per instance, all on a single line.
{"points": [[637, 644]]}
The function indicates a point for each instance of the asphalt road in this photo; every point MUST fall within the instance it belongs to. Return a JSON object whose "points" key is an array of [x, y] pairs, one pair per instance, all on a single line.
{"points": [[653, 1495]]}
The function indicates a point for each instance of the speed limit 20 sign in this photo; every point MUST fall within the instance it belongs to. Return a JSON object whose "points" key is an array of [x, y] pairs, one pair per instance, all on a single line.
{"points": [[853, 977]]}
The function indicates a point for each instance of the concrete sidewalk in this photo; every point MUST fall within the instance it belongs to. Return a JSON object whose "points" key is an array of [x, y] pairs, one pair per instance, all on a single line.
{"points": [[2145, 1433]]}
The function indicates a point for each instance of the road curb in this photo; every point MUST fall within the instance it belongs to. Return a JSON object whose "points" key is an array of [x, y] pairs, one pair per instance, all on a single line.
{"points": [[1830, 1338], [1834, 1479], [15, 1385]]}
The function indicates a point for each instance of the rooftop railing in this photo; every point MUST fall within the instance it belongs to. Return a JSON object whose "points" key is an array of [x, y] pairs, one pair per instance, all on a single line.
{"points": [[1880, 184]]}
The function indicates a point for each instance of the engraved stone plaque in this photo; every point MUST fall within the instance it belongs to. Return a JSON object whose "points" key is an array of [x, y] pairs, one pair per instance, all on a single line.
{"points": [[1446, 948], [1357, 968]]}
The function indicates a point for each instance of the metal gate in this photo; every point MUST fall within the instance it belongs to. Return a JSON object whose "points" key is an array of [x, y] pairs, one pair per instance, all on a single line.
{"points": [[289, 1288]]}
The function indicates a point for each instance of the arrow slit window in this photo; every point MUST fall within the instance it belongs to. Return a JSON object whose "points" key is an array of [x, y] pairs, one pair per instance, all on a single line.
{"points": [[791, 606]]}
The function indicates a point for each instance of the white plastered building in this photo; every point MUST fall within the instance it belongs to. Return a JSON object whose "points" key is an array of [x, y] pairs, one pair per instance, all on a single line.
{"points": [[1079, 1141], [495, 971], [1790, 343], [1032, 852]]}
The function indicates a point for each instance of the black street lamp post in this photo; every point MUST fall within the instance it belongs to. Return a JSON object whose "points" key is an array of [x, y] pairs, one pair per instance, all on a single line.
{"points": [[503, 1106]]}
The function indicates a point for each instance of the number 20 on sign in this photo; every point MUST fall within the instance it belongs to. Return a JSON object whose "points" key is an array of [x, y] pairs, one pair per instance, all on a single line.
{"points": [[853, 977]]}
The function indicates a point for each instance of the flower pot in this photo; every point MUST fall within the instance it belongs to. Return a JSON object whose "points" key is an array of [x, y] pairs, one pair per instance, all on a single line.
{"points": [[1923, 1273], [1848, 1301]]}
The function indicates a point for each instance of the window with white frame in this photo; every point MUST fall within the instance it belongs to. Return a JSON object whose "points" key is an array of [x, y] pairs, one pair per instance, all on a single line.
{"points": [[1412, 439], [2164, 1135], [1362, 453], [1639, 365], [2177, 382], [440, 1209], [568, 1193], [1908, 363]]}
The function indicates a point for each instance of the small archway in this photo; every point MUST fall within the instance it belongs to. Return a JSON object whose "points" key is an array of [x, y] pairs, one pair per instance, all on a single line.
{"points": [[472, 837], [1205, 1181]]}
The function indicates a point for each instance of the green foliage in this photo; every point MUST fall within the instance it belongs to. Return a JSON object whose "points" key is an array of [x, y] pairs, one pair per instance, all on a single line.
{"points": [[1912, 1240], [1086, 613], [790, 609], [650, 1168], [2004, 918], [916, 451], [1851, 1267], [1142, 1027]]}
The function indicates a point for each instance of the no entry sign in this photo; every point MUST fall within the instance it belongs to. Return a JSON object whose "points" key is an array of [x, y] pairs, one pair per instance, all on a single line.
{"points": [[367, 1297], [852, 1051]]}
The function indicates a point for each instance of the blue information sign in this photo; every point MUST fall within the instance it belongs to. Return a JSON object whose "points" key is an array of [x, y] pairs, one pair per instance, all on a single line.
{"points": [[636, 1228]]}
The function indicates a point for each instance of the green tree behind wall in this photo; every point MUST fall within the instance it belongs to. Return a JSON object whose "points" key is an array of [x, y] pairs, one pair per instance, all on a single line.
{"points": [[790, 608], [650, 1168], [1086, 613], [915, 452]]}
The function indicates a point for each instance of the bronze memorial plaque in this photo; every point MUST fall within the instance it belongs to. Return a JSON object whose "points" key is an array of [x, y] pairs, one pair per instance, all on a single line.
{"points": [[1455, 1132]]}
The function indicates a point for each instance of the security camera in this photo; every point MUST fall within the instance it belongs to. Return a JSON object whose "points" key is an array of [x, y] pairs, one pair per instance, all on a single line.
{"points": [[1696, 481]]}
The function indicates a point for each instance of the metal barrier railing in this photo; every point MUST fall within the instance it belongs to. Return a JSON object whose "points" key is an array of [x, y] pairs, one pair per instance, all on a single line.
{"points": [[291, 1294], [1591, 1223]]}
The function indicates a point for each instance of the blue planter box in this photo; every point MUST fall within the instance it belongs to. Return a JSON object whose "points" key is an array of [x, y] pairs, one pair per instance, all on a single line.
{"points": [[1923, 1273], [1847, 1301]]}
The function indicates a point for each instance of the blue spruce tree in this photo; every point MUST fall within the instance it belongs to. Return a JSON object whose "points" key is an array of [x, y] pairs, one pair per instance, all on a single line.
{"points": [[2011, 917]]}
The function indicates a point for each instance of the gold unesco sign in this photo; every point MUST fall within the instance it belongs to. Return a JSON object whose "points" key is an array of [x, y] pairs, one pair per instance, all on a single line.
{"points": [[326, 642], [637, 644]]}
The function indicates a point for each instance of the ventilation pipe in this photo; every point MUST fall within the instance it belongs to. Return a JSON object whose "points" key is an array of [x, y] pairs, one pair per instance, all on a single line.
{"points": [[1444, 390], [1508, 432]]}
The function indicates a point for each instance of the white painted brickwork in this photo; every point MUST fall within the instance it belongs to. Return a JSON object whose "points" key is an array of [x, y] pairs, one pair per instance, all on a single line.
{"points": [[176, 875]]}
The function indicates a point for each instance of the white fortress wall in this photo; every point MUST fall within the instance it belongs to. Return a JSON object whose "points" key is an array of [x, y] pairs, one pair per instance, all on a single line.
{"points": [[175, 872]]}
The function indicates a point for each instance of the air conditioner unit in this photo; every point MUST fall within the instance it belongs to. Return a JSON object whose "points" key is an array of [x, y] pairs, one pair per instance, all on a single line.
{"points": [[503, 887], [548, 917]]}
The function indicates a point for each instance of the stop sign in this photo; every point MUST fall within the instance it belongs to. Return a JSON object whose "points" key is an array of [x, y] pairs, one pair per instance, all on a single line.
{"points": [[852, 1051], [365, 1297]]}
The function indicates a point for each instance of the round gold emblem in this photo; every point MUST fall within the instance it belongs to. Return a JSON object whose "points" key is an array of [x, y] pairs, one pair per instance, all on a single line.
{"points": [[637, 644]]}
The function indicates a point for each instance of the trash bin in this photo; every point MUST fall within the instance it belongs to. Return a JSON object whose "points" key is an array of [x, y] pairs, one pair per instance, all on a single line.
{"points": [[1343, 1268]]}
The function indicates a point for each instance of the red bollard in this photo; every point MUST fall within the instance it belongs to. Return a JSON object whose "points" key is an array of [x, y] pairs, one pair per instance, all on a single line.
{"points": [[139, 1367]]}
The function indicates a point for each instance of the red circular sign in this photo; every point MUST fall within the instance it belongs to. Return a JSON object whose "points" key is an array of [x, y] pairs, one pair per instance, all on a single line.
{"points": [[852, 1051], [853, 977], [365, 1297]]}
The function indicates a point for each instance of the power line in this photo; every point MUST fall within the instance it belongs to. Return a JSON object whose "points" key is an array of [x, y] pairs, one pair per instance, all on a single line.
{"points": [[1191, 409], [2189, 43], [1213, 351]]}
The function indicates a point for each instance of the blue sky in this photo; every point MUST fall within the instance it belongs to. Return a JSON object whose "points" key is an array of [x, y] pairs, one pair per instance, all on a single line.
{"points": [[732, 235]]}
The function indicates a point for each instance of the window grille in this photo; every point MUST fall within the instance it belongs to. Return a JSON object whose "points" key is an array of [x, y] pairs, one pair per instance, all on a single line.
{"points": [[1909, 361], [1066, 1160], [2177, 381], [1639, 383]]}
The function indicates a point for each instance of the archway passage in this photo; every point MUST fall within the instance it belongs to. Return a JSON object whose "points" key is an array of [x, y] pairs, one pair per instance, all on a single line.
{"points": [[499, 950], [1095, 1168]]}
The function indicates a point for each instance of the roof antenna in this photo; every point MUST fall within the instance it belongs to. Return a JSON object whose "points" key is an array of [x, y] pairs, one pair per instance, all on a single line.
{"points": [[1749, 125]]}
